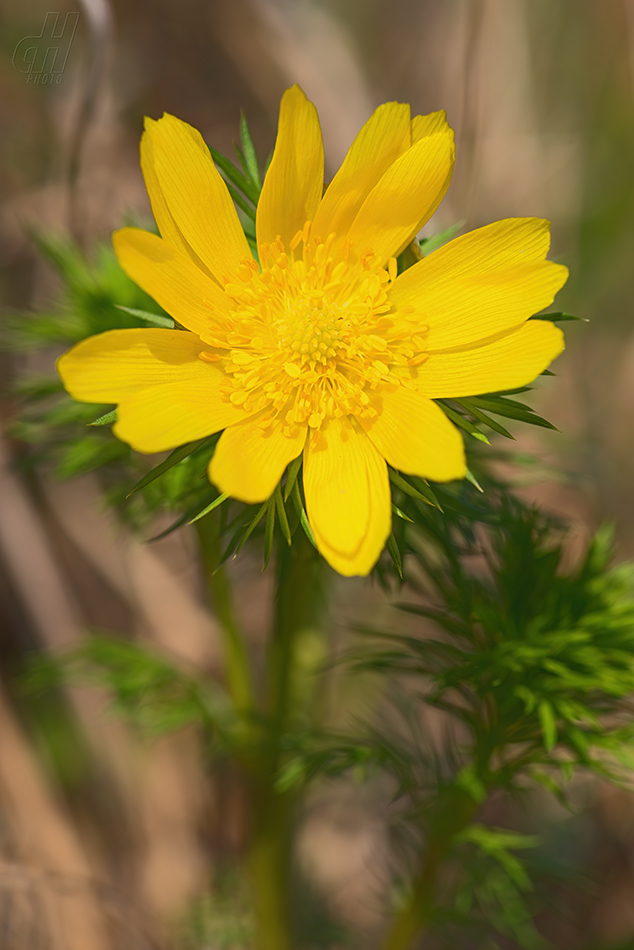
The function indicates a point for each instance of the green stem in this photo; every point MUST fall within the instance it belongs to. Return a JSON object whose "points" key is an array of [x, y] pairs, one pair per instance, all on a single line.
{"points": [[415, 916], [269, 865], [298, 595], [273, 811], [238, 670]]}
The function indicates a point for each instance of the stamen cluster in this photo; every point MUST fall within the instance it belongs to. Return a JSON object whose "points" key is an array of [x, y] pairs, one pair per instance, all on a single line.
{"points": [[313, 334]]}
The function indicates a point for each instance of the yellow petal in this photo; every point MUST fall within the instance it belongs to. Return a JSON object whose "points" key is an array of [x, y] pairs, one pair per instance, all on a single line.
{"points": [[482, 283], [383, 138], [414, 435], [170, 277], [110, 366], [162, 417], [197, 197], [405, 197], [294, 182], [347, 497], [162, 216], [514, 359], [424, 125], [249, 461]]}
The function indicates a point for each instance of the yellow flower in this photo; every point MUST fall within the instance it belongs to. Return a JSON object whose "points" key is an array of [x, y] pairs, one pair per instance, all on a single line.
{"points": [[322, 349]]}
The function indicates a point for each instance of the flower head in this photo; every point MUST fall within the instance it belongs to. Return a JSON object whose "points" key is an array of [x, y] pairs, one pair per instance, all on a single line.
{"points": [[320, 347]]}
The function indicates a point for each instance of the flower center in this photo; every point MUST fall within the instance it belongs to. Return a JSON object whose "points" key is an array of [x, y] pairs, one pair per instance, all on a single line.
{"points": [[313, 335], [313, 330]]}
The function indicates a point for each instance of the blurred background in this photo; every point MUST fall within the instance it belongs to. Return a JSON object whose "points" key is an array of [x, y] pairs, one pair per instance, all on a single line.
{"points": [[108, 841]]}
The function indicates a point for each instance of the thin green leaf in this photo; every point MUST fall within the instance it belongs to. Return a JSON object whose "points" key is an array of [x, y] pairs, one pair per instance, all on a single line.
{"points": [[240, 201], [218, 501], [233, 541], [291, 477], [269, 530], [401, 514], [195, 511], [548, 723], [173, 527], [252, 526], [155, 318], [425, 494], [514, 392], [303, 517], [482, 417], [182, 452], [430, 244], [511, 409], [471, 478], [241, 158], [281, 513], [248, 227], [558, 317], [248, 148], [495, 401], [395, 554], [106, 419], [462, 422], [236, 177]]}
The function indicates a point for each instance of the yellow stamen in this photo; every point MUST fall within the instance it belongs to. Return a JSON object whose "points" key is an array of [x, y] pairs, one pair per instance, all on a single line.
{"points": [[307, 332]]}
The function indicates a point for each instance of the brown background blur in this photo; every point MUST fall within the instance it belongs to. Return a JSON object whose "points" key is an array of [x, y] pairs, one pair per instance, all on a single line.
{"points": [[120, 852]]}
